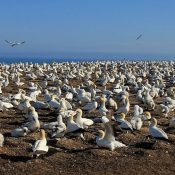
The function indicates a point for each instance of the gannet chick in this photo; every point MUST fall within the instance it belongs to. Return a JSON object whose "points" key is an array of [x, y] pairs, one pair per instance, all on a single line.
{"points": [[40, 146], [82, 122], [19, 132], [137, 110], [136, 123], [156, 132], [148, 101], [1, 140], [106, 139]]}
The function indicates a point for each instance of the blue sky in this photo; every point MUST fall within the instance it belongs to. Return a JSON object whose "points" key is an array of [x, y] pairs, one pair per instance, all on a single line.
{"points": [[82, 28]]}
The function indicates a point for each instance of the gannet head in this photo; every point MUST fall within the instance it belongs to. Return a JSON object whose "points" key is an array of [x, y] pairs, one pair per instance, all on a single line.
{"points": [[25, 129], [71, 117], [101, 133], [62, 110], [31, 109], [148, 115], [42, 134], [122, 115], [54, 96], [154, 121], [79, 111], [103, 99]]}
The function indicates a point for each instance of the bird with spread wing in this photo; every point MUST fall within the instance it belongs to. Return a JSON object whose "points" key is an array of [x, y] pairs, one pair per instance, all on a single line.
{"points": [[14, 43]]}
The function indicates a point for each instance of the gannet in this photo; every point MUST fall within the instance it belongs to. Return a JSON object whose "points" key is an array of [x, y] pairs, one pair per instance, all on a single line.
{"points": [[125, 108], [53, 103], [40, 146], [106, 139], [156, 132], [33, 124], [124, 124], [5, 105], [24, 105], [72, 126], [91, 106], [102, 109], [82, 122], [14, 43], [60, 129], [19, 132]]}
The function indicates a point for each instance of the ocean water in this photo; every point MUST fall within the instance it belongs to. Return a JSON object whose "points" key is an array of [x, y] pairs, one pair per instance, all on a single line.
{"points": [[9, 60]]}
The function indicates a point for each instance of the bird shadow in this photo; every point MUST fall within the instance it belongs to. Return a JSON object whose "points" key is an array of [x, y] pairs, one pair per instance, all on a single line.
{"points": [[15, 158], [145, 145]]}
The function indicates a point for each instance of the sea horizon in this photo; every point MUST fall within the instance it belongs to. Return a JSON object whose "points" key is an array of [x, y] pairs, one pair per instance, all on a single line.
{"points": [[47, 59]]}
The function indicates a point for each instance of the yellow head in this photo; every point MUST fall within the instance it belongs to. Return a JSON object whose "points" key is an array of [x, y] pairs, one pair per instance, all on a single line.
{"points": [[122, 115], [148, 115]]}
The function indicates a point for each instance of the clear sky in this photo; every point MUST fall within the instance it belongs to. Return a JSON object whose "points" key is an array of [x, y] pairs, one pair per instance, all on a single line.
{"points": [[72, 28]]}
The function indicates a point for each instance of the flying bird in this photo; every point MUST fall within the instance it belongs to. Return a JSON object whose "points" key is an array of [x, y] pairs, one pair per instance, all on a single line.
{"points": [[14, 43], [139, 37]]}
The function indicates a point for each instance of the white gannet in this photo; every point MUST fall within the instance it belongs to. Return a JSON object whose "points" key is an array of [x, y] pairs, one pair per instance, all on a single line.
{"points": [[60, 129], [19, 132], [82, 122], [125, 107], [5, 105], [72, 126], [156, 132], [12, 43], [40, 146], [106, 139], [53, 103], [102, 109], [124, 124]]}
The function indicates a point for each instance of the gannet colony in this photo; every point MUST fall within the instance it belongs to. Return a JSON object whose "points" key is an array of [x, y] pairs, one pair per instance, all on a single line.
{"points": [[94, 117]]}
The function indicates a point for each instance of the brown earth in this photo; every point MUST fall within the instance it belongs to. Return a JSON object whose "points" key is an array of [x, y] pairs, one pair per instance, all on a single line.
{"points": [[74, 156]]}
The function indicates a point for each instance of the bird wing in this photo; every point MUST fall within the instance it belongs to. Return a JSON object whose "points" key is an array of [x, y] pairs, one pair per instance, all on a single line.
{"points": [[9, 42], [109, 133], [21, 42], [158, 133], [139, 37], [40, 145], [88, 106]]}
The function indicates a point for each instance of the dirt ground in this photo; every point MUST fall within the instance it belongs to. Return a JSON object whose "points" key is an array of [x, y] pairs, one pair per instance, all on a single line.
{"points": [[74, 156]]}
